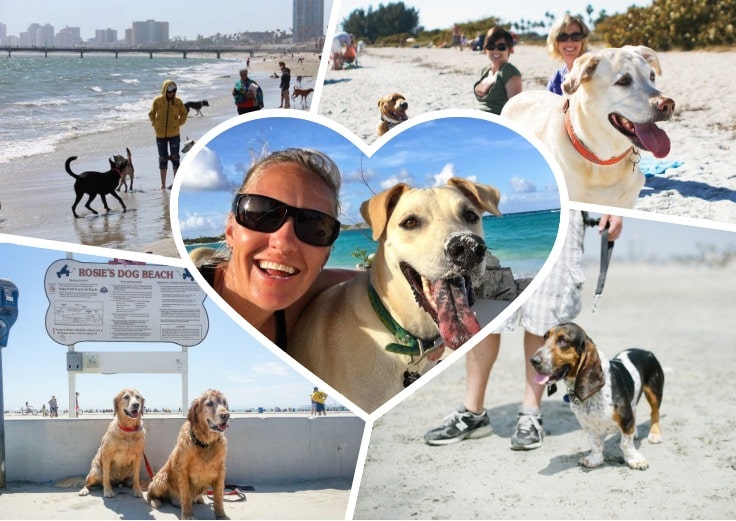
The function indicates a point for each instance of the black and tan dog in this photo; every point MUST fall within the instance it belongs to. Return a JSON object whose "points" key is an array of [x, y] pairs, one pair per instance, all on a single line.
{"points": [[97, 183], [197, 106], [603, 394], [393, 111]]}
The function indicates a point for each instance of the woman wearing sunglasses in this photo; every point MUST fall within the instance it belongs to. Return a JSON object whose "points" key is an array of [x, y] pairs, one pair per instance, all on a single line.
{"points": [[278, 234], [567, 39], [499, 81]]}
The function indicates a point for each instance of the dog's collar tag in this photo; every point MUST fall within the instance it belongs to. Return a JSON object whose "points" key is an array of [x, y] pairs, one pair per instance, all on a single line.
{"points": [[551, 389]]}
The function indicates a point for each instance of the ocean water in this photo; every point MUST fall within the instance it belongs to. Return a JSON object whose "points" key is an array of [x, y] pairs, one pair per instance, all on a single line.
{"points": [[521, 241], [46, 100]]}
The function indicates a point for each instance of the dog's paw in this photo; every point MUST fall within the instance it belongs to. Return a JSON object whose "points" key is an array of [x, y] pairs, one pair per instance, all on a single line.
{"points": [[137, 493], [109, 493], [199, 499], [654, 437], [155, 503], [590, 461], [637, 462], [84, 492]]}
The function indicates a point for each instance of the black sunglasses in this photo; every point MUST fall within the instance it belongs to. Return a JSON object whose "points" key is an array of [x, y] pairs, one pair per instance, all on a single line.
{"points": [[499, 46], [266, 215], [575, 37]]}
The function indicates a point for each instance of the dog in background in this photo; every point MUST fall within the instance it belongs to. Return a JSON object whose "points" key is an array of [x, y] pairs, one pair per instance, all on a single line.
{"points": [[197, 106], [97, 183], [609, 111], [416, 296], [198, 459], [603, 394], [127, 171], [118, 460], [304, 93], [392, 108]]}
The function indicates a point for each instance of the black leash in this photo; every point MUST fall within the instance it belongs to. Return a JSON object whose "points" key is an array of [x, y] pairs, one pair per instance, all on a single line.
{"points": [[606, 252]]}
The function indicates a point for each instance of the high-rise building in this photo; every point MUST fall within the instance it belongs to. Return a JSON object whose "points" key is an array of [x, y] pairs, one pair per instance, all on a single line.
{"points": [[106, 36], [3, 34], [308, 20], [38, 35], [68, 37], [149, 32]]}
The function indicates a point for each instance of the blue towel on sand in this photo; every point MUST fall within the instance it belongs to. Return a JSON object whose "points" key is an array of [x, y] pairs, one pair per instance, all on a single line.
{"points": [[651, 166]]}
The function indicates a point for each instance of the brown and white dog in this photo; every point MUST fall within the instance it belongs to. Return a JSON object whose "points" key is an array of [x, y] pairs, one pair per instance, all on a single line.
{"points": [[127, 171], [392, 108], [198, 459], [118, 460], [416, 296], [304, 93], [609, 111], [603, 394]]}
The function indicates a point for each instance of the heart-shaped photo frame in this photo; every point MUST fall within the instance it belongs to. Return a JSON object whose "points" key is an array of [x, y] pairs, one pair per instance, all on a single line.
{"points": [[443, 223]]}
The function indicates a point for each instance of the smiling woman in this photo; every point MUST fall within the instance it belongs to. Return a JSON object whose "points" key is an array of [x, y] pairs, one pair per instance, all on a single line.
{"points": [[277, 240]]}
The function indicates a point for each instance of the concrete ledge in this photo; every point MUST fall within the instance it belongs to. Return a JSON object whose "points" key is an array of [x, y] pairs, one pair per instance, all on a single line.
{"points": [[261, 449]]}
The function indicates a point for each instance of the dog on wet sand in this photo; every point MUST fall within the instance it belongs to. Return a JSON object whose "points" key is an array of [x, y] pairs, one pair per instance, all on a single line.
{"points": [[197, 106], [303, 93], [97, 183], [416, 296], [118, 460], [127, 171], [197, 462], [392, 108]]}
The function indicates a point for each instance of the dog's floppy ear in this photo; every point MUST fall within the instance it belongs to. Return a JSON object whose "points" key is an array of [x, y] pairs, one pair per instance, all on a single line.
{"points": [[590, 378], [648, 54], [485, 197], [116, 404], [192, 414], [582, 70], [377, 210]]}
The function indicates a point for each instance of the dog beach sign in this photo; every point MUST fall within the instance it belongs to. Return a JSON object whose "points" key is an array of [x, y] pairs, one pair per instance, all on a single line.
{"points": [[123, 303]]}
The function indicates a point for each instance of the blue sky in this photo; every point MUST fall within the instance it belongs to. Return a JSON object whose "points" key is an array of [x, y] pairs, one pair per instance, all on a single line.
{"points": [[228, 359], [428, 150]]}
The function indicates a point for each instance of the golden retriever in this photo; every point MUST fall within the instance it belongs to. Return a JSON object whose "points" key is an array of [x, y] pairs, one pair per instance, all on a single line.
{"points": [[393, 111], [198, 459], [430, 242], [609, 111], [120, 454]]}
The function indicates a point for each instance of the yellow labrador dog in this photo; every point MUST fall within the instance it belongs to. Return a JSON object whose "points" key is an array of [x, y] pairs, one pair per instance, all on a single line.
{"points": [[120, 454], [370, 337], [609, 111]]}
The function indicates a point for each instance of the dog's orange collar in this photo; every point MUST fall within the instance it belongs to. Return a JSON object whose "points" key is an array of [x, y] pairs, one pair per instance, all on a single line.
{"points": [[585, 151]]}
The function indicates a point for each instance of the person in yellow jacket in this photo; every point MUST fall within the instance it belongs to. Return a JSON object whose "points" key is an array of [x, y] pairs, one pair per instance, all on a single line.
{"points": [[167, 114], [318, 400]]}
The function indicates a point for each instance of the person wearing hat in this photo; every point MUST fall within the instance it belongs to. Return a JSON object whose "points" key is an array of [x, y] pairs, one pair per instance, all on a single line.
{"points": [[318, 402], [167, 114]]}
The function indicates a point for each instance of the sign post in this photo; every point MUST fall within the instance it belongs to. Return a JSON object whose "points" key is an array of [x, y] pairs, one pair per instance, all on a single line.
{"points": [[124, 303]]}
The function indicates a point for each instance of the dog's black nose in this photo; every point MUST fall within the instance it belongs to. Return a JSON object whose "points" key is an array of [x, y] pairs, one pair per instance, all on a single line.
{"points": [[536, 361], [404, 105], [465, 250]]}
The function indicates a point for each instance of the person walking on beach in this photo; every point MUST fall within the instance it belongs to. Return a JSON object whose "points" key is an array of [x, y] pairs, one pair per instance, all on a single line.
{"points": [[319, 397], [499, 81], [167, 114], [247, 94], [284, 85], [53, 407]]}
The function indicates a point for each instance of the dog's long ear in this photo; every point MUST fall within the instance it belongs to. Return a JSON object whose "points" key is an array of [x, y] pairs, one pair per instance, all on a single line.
{"points": [[485, 197], [116, 404], [648, 54], [192, 414], [582, 70], [590, 378], [376, 211]]}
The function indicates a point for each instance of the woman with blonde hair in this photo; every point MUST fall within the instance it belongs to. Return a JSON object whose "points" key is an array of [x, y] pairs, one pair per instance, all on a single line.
{"points": [[567, 39]]}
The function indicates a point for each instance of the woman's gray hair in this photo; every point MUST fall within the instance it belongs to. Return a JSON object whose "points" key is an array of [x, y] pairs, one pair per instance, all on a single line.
{"points": [[314, 161], [559, 26]]}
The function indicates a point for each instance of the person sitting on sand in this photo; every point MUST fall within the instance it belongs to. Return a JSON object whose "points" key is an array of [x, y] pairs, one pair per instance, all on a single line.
{"points": [[566, 41], [340, 41], [499, 81]]}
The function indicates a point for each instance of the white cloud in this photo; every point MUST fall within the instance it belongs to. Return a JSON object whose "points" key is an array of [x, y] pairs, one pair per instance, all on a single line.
{"points": [[204, 173], [522, 186], [402, 177], [202, 224]]}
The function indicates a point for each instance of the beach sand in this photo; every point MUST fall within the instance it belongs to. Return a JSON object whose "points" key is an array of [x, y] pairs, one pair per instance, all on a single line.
{"points": [[37, 194], [677, 312], [311, 500], [701, 131]]}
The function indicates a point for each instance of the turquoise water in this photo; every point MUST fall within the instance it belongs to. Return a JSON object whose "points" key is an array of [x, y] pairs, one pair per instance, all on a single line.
{"points": [[521, 241]]}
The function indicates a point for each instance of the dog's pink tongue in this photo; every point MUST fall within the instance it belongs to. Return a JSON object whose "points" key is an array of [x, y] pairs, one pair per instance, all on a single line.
{"points": [[653, 138], [541, 379], [456, 320]]}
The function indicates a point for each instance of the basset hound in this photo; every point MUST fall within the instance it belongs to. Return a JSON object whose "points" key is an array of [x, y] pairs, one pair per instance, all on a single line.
{"points": [[603, 394]]}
